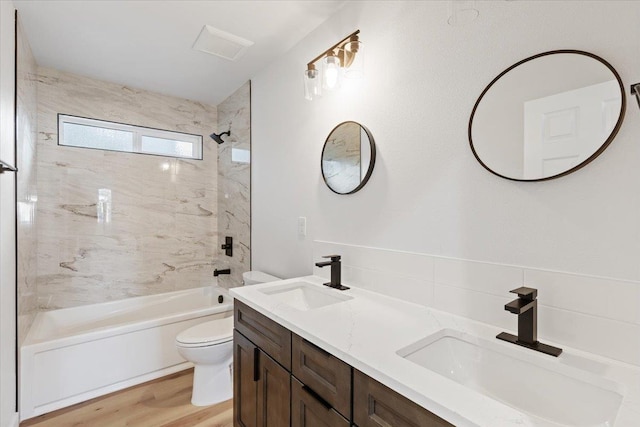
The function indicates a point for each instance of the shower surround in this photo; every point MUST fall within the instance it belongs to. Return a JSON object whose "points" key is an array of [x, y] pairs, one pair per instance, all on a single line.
{"points": [[162, 235]]}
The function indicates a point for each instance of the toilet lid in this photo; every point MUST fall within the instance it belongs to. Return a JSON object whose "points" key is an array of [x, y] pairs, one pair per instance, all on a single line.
{"points": [[208, 333], [258, 277]]}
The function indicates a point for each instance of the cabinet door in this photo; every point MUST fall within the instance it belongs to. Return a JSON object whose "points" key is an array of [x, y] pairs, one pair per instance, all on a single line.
{"points": [[375, 405], [309, 409], [261, 387], [274, 393], [245, 384]]}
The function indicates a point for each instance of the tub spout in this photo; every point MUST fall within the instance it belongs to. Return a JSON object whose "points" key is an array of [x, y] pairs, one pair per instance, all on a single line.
{"points": [[217, 272]]}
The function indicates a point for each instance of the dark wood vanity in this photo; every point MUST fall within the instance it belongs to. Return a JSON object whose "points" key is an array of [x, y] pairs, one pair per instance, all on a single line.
{"points": [[281, 379]]}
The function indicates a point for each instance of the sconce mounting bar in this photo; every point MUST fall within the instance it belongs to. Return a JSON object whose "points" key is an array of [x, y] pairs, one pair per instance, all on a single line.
{"points": [[344, 40]]}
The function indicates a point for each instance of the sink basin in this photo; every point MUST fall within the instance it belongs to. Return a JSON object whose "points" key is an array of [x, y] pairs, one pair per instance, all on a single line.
{"points": [[304, 296], [552, 393]]}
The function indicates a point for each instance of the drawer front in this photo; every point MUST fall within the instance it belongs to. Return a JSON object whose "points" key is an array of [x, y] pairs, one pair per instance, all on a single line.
{"points": [[307, 410], [375, 405], [273, 338], [325, 374]]}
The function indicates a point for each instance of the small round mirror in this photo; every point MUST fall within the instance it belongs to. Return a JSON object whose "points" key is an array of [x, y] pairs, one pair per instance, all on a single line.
{"points": [[348, 157], [547, 116]]}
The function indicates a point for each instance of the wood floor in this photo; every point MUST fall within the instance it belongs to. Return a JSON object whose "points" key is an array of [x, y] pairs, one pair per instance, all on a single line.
{"points": [[161, 403]]}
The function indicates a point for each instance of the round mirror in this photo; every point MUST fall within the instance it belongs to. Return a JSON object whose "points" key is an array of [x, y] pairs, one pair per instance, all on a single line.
{"points": [[547, 116], [348, 157]]}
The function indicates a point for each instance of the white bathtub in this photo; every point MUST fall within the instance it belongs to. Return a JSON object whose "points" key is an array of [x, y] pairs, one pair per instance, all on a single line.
{"points": [[75, 354]]}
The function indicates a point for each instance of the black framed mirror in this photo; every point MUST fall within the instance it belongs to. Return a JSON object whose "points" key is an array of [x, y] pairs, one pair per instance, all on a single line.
{"points": [[348, 157], [547, 115]]}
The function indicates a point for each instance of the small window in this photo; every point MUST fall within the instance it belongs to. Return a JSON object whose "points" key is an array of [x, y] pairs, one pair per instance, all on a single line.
{"points": [[102, 135], [240, 155]]}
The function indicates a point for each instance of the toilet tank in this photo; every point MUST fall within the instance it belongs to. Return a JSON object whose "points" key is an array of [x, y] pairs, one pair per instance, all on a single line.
{"points": [[257, 277]]}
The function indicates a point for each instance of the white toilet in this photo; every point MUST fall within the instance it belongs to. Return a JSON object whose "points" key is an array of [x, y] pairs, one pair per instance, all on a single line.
{"points": [[209, 346]]}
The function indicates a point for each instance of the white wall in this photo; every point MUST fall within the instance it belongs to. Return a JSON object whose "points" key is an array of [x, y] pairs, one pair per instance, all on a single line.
{"points": [[8, 416], [427, 193]]}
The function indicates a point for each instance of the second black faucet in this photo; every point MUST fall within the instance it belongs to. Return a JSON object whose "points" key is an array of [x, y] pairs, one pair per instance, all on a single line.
{"points": [[336, 274], [526, 307]]}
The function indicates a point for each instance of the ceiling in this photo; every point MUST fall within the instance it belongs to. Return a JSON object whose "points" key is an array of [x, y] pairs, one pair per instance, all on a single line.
{"points": [[147, 44]]}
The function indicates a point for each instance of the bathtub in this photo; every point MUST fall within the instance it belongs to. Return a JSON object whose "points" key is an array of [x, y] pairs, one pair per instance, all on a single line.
{"points": [[75, 354]]}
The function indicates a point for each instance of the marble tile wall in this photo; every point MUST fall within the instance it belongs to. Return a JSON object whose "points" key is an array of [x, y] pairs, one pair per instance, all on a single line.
{"points": [[26, 196], [596, 314], [234, 180], [162, 235]]}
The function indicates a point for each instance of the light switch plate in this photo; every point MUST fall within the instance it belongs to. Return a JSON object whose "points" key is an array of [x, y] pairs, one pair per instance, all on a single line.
{"points": [[302, 226]]}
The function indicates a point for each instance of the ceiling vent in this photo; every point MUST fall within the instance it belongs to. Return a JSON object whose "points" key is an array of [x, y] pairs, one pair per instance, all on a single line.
{"points": [[220, 43]]}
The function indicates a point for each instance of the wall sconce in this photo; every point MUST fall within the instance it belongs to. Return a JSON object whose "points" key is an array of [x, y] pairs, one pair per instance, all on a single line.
{"points": [[635, 90], [343, 59]]}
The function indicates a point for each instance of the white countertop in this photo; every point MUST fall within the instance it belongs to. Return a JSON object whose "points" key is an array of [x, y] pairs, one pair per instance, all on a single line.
{"points": [[366, 332]]}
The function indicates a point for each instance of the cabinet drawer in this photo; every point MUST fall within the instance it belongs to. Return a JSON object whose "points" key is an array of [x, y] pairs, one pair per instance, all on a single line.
{"points": [[375, 405], [307, 410], [272, 338], [325, 374]]}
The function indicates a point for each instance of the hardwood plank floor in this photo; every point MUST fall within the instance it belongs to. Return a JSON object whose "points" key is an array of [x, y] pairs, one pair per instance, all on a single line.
{"points": [[164, 402]]}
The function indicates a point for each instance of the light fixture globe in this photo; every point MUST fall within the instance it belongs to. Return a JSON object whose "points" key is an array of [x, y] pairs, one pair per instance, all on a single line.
{"points": [[312, 86], [353, 59], [331, 72]]}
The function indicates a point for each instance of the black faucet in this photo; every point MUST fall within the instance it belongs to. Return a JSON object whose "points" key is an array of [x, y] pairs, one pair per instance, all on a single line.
{"points": [[526, 307], [335, 264], [217, 272]]}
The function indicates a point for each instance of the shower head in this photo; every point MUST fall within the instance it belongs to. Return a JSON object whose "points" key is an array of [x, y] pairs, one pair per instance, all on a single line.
{"points": [[635, 90], [217, 137]]}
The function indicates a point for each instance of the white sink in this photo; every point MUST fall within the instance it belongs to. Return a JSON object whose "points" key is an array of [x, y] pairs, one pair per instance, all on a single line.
{"points": [[304, 296], [552, 393]]}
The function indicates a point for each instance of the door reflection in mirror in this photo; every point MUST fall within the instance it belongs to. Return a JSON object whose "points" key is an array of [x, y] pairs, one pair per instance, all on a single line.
{"points": [[547, 116]]}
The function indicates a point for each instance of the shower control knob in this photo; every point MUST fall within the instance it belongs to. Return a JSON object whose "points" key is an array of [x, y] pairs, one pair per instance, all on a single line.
{"points": [[228, 246]]}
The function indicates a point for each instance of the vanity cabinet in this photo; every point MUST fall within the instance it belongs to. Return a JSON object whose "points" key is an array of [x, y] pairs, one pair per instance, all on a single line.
{"points": [[261, 369], [376, 405], [282, 380]]}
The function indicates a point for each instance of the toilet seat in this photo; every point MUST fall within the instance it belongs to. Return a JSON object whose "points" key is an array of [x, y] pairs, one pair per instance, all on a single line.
{"points": [[207, 334]]}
